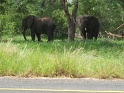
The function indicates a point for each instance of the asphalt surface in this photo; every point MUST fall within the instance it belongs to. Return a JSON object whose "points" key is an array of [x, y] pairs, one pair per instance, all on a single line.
{"points": [[59, 85]]}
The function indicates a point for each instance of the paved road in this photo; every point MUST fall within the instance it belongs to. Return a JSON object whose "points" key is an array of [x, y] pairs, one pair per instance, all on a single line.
{"points": [[55, 85]]}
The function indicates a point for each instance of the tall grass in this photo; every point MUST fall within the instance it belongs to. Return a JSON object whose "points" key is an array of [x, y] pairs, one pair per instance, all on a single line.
{"points": [[95, 59]]}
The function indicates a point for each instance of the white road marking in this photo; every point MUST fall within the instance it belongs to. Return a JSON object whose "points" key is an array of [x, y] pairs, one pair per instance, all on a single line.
{"points": [[62, 90]]}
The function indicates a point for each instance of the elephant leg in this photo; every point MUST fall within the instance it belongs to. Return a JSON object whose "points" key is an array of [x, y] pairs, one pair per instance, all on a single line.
{"points": [[38, 36], [33, 35], [89, 34], [96, 35], [83, 34], [96, 32], [50, 36], [23, 33]]}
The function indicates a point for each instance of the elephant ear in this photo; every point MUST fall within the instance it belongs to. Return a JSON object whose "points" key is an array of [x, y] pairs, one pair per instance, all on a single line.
{"points": [[30, 20]]}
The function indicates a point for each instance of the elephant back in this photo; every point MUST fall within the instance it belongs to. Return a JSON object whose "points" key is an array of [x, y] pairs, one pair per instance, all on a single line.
{"points": [[45, 24], [49, 22], [93, 22]]}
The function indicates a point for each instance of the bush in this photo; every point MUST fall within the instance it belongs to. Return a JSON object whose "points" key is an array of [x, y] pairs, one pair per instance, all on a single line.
{"points": [[61, 22], [7, 26]]}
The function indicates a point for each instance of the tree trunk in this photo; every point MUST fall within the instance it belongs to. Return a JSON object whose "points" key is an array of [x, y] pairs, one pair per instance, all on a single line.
{"points": [[122, 3], [71, 30], [71, 19]]}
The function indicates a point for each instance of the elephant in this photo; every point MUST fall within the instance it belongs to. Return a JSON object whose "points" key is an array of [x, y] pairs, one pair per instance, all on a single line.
{"points": [[38, 26], [88, 26]]}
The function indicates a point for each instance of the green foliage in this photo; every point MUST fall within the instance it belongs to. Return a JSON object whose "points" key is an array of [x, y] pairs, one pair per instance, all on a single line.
{"points": [[61, 22], [109, 13], [7, 25]]}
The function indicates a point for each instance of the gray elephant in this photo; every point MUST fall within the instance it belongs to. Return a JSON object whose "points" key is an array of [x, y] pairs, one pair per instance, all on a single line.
{"points": [[88, 26], [38, 26]]}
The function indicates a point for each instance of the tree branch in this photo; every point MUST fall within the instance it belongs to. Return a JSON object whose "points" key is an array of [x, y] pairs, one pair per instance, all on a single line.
{"points": [[119, 36], [122, 3], [65, 7], [119, 27], [74, 12]]}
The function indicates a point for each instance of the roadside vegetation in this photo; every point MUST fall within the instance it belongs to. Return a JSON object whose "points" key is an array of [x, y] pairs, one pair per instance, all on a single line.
{"points": [[103, 58], [95, 59]]}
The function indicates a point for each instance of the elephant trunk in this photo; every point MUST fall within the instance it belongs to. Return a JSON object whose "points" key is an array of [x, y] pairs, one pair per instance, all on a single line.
{"points": [[23, 33]]}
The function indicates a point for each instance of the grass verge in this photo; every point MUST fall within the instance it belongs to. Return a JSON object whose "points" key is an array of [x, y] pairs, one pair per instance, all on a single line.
{"points": [[94, 59]]}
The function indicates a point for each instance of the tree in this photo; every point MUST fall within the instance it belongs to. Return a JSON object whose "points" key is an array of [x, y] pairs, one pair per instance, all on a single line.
{"points": [[109, 12], [122, 3], [71, 18]]}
